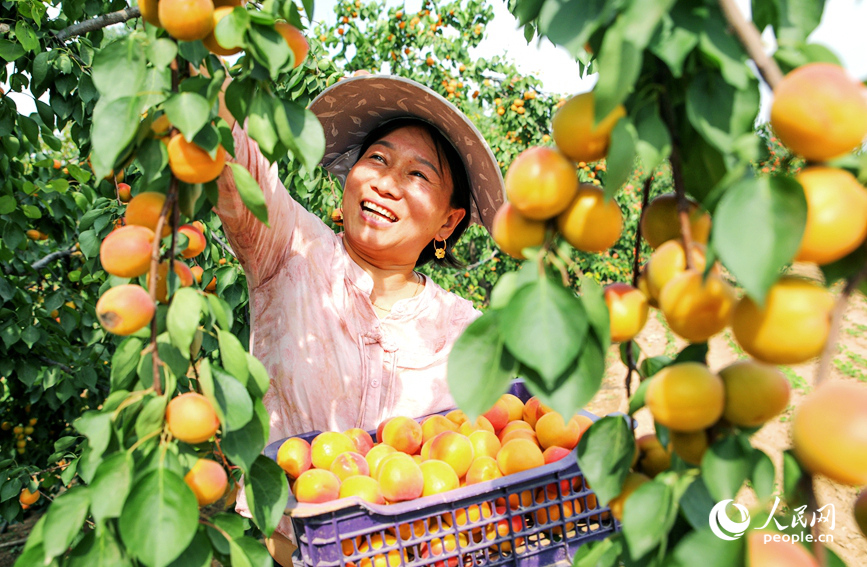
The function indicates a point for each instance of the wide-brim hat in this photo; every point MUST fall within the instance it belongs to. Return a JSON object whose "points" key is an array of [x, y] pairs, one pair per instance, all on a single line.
{"points": [[350, 109]]}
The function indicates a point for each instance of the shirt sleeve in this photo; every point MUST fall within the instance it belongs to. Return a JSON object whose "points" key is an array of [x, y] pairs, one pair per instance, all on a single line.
{"points": [[263, 249]]}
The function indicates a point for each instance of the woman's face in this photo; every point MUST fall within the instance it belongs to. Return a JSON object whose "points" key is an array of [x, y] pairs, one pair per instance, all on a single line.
{"points": [[397, 198]]}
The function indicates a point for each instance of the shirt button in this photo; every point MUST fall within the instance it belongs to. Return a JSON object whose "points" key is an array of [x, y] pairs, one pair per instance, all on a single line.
{"points": [[398, 308], [374, 383]]}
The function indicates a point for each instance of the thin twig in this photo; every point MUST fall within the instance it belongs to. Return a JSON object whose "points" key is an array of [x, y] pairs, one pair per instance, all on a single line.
{"points": [[42, 262], [98, 23], [636, 254], [824, 368], [222, 243], [751, 39], [485, 261], [154, 270], [13, 543], [50, 362], [677, 177]]}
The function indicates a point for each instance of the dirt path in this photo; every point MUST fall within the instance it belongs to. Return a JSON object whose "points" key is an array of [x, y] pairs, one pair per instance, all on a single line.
{"points": [[850, 363]]}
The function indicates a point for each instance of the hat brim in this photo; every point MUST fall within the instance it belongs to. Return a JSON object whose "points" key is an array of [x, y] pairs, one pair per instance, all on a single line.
{"points": [[350, 109]]}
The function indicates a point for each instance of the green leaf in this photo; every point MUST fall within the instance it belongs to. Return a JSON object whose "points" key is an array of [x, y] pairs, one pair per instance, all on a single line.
{"points": [[124, 362], [301, 132], [509, 283], [232, 525], [110, 486], [479, 354], [762, 475], [239, 95], [233, 356], [605, 453], [797, 19], [229, 397], [621, 156], [636, 402], [188, 112], [725, 466], [151, 417], [703, 166], [102, 550], [64, 519], [676, 38], [260, 380], [692, 353], [721, 48], [197, 554], [604, 553], [250, 192], [96, 426], [231, 29], [545, 327], [757, 230], [119, 71], [161, 52], [7, 204], [261, 125], [243, 445], [90, 243], [26, 36], [697, 504], [114, 126], [793, 475], [220, 309], [30, 129], [159, 518], [647, 515], [702, 547], [569, 23], [267, 493], [654, 142], [719, 111], [269, 48], [182, 318], [248, 551], [10, 51]]}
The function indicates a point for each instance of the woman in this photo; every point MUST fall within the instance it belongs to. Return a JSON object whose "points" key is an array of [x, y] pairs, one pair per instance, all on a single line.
{"points": [[350, 333]]}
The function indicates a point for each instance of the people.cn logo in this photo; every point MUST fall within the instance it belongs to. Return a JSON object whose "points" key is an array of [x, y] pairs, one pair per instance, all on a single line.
{"points": [[720, 523]]}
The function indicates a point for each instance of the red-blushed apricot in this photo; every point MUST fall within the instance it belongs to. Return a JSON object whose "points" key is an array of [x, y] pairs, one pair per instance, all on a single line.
{"points": [[481, 422], [349, 464], [576, 131], [552, 430], [364, 487], [375, 456], [404, 434], [530, 410], [761, 553], [483, 468], [519, 455], [210, 40], [627, 311], [541, 183], [660, 221], [144, 210], [315, 486], [294, 456], [498, 415], [379, 429], [191, 163], [191, 418], [439, 477], [187, 20], [819, 111], [630, 484], [519, 434], [554, 453], [434, 425], [515, 406], [185, 277], [455, 449], [196, 241], [327, 445], [361, 438], [829, 432], [400, 478], [755, 392], [295, 40], [685, 397], [124, 309], [697, 307], [513, 232], [791, 327], [126, 252], [124, 192], [590, 223], [208, 481], [456, 416]]}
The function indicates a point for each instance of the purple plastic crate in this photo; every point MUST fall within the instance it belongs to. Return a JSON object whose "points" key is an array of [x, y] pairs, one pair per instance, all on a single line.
{"points": [[550, 513]]}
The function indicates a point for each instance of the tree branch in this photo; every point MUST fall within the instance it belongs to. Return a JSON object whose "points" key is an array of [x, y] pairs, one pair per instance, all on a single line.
{"points": [[98, 23], [60, 365], [751, 39], [42, 262], [222, 243]]}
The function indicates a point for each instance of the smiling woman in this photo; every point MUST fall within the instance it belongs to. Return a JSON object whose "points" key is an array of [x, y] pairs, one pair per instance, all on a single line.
{"points": [[350, 333]]}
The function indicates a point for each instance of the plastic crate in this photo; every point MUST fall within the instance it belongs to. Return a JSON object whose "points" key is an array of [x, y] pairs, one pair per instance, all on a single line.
{"points": [[533, 518]]}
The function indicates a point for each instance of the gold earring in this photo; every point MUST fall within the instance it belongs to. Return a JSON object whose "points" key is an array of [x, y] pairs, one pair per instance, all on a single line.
{"points": [[440, 253], [337, 216]]}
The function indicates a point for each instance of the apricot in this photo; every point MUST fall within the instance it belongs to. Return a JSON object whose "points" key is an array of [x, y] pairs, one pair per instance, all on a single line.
{"points": [[192, 164], [689, 446], [541, 183], [552, 430], [210, 40], [776, 553], [349, 464], [552, 514], [519, 434], [576, 131], [295, 40], [484, 443], [185, 277], [126, 252], [434, 425], [660, 221], [669, 260], [196, 241], [400, 477], [653, 457], [512, 426], [404, 434], [836, 213], [375, 456], [627, 311], [315, 486], [590, 223], [530, 407], [326, 446], [498, 415], [819, 111], [361, 438], [455, 449], [27, 498], [791, 327], [482, 469], [150, 12], [630, 484], [456, 416], [554, 453], [695, 307], [447, 544], [294, 456], [481, 422], [754, 392], [208, 481], [161, 125], [519, 455], [187, 20], [686, 397], [144, 210], [859, 509], [124, 309], [124, 192], [829, 431], [191, 418], [514, 405], [439, 477], [644, 288], [364, 487], [379, 429], [513, 232]]}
